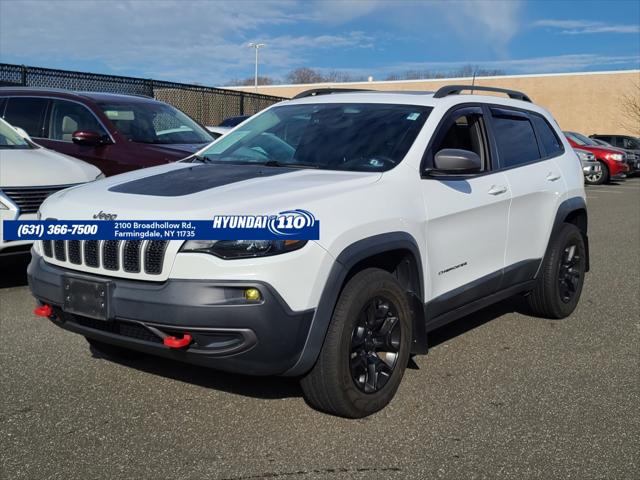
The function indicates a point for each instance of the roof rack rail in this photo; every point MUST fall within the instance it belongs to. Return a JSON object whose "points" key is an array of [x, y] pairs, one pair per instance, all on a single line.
{"points": [[456, 89], [326, 91]]}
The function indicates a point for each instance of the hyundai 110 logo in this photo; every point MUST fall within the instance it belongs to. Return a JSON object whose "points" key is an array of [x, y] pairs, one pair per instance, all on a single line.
{"points": [[284, 224]]}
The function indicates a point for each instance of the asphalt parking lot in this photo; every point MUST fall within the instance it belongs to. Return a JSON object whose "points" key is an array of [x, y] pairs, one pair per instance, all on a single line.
{"points": [[500, 395]]}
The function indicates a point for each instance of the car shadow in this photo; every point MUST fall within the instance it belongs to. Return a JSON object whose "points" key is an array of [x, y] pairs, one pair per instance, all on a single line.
{"points": [[239, 384], [287, 387], [477, 319], [14, 270]]}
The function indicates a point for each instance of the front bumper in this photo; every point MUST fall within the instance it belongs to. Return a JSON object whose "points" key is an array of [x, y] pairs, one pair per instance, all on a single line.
{"points": [[634, 166], [262, 338], [618, 169]]}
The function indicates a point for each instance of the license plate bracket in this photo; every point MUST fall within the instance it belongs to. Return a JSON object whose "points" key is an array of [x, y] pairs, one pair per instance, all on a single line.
{"points": [[88, 298]]}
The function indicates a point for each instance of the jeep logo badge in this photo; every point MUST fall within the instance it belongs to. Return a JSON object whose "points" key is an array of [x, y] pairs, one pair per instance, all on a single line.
{"points": [[104, 216]]}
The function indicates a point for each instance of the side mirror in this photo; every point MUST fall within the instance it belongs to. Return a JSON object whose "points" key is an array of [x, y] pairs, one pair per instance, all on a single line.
{"points": [[453, 160], [88, 138]]}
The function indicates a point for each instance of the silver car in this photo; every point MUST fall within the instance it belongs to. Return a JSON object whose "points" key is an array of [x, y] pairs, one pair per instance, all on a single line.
{"points": [[590, 166]]}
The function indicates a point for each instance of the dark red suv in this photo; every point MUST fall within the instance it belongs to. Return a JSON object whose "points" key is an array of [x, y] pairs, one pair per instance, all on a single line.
{"points": [[116, 133], [613, 161]]}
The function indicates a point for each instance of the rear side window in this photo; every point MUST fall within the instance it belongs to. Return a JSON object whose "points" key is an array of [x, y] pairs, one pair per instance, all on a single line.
{"points": [[515, 138], [548, 138], [68, 117], [27, 113]]}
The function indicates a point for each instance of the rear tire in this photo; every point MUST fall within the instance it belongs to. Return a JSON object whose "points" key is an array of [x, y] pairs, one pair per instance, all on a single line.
{"points": [[561, 277], [112, 351], [366, 349]]}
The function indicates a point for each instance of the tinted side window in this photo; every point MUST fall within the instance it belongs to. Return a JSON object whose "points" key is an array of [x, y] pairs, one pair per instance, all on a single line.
{"points": [[27, 113], [630, 143], [515, 138], [548, 138], [68, 117]]}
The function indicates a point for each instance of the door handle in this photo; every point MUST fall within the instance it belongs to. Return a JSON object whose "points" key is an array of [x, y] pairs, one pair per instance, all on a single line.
{"points": [[552, 177], [497, 189]]}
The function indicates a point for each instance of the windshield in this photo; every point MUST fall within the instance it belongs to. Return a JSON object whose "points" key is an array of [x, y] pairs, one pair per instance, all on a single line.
{"points": [[10, 139], [632, 143], [581, 139], [154, 122], [356, 137]]}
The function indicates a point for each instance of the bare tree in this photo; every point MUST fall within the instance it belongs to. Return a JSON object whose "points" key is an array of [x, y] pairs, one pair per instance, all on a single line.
{"points": [[304, 75], [262, 80], [631, 109], [464, 71]]}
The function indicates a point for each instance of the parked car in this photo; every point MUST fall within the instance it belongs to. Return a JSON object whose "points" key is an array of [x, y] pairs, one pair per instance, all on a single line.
{"points": [[217, 132], [423, 222], [631, 145], [590, 166], [28, 175], [116, 133], [233, 121], [612, 160]]}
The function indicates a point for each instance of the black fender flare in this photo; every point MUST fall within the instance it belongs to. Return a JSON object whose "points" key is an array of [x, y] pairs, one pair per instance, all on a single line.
{"points": [[565, 209], [346, 260]]}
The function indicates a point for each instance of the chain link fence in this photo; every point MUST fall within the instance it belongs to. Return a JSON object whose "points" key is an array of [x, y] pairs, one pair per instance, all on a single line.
{"points": [[207, 105]]}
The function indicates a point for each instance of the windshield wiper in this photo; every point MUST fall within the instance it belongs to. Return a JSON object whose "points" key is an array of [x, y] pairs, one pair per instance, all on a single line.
{"points": [[197, 158], [276, 163]]}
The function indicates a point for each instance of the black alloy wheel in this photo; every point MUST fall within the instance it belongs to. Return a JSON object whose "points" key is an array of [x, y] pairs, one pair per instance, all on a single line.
{"points": [[569, 273], [375, 345]]}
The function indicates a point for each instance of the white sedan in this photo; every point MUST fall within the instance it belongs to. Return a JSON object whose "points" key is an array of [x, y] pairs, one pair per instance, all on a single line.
{"points": [[28, 175]]}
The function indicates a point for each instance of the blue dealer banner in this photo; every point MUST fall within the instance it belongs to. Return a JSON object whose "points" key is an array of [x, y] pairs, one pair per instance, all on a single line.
{"points": [[288, 225]]}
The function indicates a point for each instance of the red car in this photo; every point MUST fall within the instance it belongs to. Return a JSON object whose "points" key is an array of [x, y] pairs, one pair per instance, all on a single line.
{"points": [[612, 160], [116, 133]]}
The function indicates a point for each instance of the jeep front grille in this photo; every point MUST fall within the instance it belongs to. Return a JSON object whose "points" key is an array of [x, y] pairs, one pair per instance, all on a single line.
{"points": [[60, 250], [154, 256], [29, 199], [115, 255], [131, 257]]}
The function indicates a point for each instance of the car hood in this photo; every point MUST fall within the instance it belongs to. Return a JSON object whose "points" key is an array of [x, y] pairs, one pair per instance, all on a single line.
{"points": [[198, 191], [39, 167], [600, 150]]}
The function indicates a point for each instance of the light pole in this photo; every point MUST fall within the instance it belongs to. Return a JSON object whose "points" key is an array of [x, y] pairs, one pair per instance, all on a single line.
{"points": [[257, 47]]}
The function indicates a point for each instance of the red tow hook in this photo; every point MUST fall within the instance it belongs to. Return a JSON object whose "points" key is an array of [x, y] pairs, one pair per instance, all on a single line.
{"points": [[43, 311], [175, 342]]}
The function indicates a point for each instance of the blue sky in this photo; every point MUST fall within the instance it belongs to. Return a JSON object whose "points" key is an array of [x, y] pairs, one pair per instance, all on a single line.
{"points": [[205, 41]]}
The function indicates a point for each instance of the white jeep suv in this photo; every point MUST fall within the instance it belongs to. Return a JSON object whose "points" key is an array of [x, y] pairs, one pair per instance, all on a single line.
{"points": [[432, 206]]}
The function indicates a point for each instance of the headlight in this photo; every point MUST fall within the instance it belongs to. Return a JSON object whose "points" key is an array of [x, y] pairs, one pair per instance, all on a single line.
{"points": [[230, 249], [584, 155], [618, 157], [4, 205], [101, 176]]}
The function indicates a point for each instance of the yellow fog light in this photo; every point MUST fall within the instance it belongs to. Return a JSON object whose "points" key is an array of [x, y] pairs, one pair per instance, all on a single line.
{"points": [[252, 294]]}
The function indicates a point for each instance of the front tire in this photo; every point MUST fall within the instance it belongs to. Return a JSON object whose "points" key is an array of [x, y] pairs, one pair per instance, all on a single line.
{"points": [[561, 277], [366, 348], [598, 178]]}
